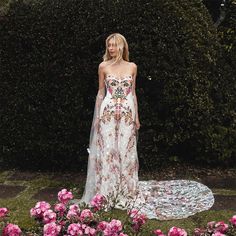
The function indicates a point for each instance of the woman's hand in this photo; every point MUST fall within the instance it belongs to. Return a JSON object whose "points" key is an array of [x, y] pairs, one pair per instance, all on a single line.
{"points": [[137, 123]]}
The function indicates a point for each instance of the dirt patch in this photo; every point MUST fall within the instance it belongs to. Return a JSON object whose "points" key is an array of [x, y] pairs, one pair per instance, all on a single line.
{"points": [[224, 203], [9, 191]]}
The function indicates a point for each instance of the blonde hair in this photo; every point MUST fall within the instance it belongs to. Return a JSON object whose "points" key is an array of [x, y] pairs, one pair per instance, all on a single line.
{"points": [[123, 49]]}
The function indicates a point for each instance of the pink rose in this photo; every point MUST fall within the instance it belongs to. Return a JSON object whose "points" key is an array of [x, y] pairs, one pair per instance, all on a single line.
{"points": [[64, 196], [98, 202], [3, 212], [175, 231], [102, 225], [138, 219], [89, 231], [132, 213], [39, 209], [113, 228], [51, 229], [221, 227], [60, 208], [122, 234], [11, 230], [218, 234], [158, 232], [74, 229], [199, 232], [72, 215], [86, 215], [49, 216], [211, 226], [233, 220], [74, 207]]}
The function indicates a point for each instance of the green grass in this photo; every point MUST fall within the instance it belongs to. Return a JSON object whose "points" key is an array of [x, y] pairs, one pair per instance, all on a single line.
{"points": [[20, 206]]}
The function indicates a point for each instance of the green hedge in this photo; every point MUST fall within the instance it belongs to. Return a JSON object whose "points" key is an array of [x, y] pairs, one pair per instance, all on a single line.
{"points": [[50, 51]]}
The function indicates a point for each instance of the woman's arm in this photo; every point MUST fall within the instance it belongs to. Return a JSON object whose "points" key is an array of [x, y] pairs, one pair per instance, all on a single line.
{"points": [[134, 95], [101, 88]]}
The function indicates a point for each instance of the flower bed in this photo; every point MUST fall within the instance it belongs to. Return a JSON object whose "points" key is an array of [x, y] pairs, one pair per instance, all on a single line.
{"points": [[66, 218]]}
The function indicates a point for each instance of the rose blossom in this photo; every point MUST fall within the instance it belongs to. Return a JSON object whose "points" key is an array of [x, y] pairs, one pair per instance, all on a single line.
{"points": [[60, 208], [233, 220], [74, 229], [72, 214], [97, 201], [49, 216], [90, 231], [218, 234], [74, 207], [132, 213], [158, 232], [39, 209], [221, 227], [175, 231], [64, 196], [102, 225], [3, 212], [199, 232], [138, 219], [211, 226], [11, 230], [51, 229], [113, 228], [86, 215]]}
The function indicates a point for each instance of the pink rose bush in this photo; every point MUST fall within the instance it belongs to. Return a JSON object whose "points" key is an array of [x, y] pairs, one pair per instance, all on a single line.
{"points": [[137, 219], [49, 216], [113, 228], [64, 196], [158, 232], [233, 220], [98, 202], [51, 229], [86, 215], [3, 212], [73, 213], [60, 208], [66, 219], [8, 229], [11, 230], [39, 209], [218, 228], [175, 231]]}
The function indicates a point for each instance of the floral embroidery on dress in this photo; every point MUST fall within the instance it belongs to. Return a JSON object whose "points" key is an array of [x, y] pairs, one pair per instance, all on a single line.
{"points": [[114, 163]]}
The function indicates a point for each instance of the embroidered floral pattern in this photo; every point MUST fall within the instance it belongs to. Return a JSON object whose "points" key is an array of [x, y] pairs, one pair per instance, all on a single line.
{"points": [[115, 163]]}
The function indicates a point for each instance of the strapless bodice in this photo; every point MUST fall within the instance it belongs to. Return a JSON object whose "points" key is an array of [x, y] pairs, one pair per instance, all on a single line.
{"points": [[119, 79], [118, 87]]}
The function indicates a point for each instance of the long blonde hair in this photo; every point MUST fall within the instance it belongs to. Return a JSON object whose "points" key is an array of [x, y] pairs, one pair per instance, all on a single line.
{"points": [[123, 49]]}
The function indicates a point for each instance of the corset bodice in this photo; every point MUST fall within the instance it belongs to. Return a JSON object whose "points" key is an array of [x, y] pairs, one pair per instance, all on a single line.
{"points": [[118, 88]]}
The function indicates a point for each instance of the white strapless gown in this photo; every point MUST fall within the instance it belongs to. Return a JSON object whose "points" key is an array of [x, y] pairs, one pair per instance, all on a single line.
{"points": [[113, 163]]}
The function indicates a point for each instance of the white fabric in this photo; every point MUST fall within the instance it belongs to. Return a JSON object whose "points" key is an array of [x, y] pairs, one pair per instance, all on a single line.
{"points": [[113, 161]]}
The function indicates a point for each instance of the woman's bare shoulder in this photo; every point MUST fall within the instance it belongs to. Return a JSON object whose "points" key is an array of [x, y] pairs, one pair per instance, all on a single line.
{"points": [[103, 64], [133, 65]]}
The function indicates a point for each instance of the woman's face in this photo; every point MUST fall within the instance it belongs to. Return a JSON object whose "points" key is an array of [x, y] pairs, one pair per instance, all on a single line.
{"points": [[112, 48]]}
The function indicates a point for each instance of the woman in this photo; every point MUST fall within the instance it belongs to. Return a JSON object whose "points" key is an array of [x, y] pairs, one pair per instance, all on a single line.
{"points": [[113, 159]]}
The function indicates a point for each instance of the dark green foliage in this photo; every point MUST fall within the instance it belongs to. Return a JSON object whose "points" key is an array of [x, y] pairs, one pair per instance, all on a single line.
{"points": [[50, 51], [222, 132]]}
